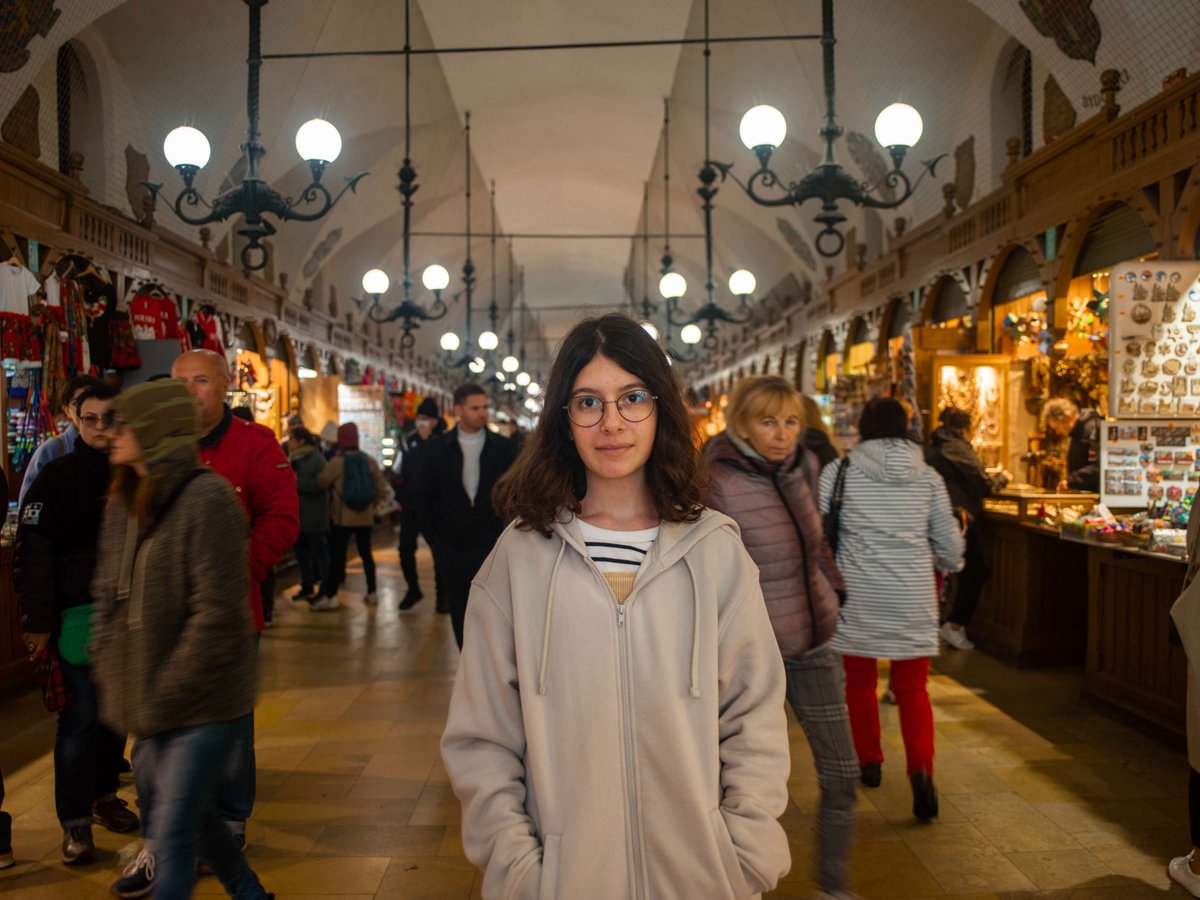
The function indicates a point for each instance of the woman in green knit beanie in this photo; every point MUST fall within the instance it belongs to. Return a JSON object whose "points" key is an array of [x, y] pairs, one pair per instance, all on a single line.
{"points": [[173, 639]]}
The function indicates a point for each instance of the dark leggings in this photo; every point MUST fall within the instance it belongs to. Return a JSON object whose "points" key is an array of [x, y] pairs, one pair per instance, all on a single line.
{"points": [[1194, 806], [972, 578]]}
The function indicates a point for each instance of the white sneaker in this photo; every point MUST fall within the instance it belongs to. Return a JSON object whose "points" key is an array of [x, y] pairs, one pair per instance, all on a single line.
{"points": [[1180, 870], [324, 603], [956, 637], [371, 598]]}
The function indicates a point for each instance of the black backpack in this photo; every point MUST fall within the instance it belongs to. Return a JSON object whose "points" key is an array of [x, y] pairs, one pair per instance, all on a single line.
{"points": [[358, 491]]}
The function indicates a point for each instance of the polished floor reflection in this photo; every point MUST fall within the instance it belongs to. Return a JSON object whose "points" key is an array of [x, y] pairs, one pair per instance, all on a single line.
{"points": [[1040, 796]]}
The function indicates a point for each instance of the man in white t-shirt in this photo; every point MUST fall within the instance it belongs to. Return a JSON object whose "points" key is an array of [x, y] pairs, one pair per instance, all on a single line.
{"points": [[454, 497]]}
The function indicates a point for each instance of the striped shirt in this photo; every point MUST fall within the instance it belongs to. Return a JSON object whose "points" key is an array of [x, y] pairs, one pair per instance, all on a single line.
{"points": [[617, 551]]}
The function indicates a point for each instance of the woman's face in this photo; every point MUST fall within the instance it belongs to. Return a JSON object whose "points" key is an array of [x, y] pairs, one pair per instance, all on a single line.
{"points": [[607, 396], [123, 448], [773, 437]]}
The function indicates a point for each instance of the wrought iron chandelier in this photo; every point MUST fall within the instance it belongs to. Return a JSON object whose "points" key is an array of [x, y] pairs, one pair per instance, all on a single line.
{"points": [[763, 129], [435, 278], [673, 286], [317, 142]]}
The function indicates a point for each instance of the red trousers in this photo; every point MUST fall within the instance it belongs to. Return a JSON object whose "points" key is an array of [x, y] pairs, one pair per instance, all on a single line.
{"points": [[916, 714]]}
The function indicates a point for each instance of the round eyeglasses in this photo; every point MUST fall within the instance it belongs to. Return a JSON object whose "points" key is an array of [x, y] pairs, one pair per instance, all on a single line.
{"points": [[586, 410]]}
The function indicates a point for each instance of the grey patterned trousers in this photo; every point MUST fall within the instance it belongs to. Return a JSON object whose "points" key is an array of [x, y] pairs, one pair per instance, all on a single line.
{"points": [[816, 689]]}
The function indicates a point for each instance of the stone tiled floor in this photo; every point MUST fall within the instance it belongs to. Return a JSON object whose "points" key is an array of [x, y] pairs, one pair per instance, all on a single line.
{"points": [[1040, 797]]}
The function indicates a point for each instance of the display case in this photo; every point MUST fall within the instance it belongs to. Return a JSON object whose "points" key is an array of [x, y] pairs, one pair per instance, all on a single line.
{"points": [[975, 384], [1029, 505]]}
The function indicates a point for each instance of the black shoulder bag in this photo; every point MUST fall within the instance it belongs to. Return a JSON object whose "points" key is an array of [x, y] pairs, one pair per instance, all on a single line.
{"points": [[833, 518]]}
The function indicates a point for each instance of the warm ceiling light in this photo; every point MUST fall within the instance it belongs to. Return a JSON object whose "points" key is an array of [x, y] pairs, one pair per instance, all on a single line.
{"points": [[375, 281], [763, 126], [672, 286], [488, 341], [742, 283], [691, 334], [523, 379], [450, 342], [435, 278], [318, 141], [510, 364], [477, 365], [534, 389], [899, 125], [187, 146]]}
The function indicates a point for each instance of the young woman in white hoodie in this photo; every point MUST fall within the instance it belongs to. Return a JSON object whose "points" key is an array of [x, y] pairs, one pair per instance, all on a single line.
{"points": [[617, 727]]}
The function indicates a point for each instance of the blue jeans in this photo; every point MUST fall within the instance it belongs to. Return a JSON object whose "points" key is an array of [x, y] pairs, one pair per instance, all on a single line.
{"points": [[185, 772], [312, 556], [87, 756]]}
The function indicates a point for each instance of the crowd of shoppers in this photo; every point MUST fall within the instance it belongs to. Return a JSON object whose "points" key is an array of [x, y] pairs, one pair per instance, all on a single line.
{"points": [[623, 605]]}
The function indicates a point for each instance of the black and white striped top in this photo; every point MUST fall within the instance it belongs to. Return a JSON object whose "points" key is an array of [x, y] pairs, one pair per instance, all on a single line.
{"points": [[617, 551]]}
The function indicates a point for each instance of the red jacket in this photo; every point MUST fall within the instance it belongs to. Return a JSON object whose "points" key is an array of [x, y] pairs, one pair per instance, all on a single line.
{"points": [[248, 457]]}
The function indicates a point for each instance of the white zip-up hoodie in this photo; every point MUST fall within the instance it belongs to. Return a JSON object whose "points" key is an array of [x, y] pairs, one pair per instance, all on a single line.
{"points": [[607, 750]]}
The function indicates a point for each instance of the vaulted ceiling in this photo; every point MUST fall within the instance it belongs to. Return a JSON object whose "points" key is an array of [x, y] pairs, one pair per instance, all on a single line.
{"points": [[570, 137]]}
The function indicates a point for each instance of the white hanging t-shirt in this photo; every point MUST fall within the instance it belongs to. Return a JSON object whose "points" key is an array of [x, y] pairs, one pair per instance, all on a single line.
{"points": [[17, 285]]}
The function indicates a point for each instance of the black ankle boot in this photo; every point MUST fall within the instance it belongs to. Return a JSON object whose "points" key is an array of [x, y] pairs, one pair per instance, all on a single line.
{"points": [[872, 774], [925, 799]]}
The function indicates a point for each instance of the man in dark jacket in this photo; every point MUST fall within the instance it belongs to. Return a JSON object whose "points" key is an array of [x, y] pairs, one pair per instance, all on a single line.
{"points": [[429, 425], [967, 482], [1082, 429], [56, 556], [454, 497]]}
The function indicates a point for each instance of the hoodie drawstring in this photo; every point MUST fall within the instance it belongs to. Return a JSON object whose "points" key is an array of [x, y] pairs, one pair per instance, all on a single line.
{"points": [[694, 689], [549, 615]]}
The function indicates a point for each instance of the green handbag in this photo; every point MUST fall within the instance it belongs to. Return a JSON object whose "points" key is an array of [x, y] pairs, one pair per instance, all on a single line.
{"points": [[75, 628]]}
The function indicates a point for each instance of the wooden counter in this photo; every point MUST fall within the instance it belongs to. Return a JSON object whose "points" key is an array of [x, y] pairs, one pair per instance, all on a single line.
{"points": [[1135, 661], [1033, 611], [15, 670]]}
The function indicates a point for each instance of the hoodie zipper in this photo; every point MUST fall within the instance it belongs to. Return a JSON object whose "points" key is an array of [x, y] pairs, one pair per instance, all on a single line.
{"points": [[627, 715], [626, 679]]}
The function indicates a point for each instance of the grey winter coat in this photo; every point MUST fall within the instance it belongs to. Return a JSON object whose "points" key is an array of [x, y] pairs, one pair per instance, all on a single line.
{"points": [[172, 641], [896, 525], [775, 508], [308, 463]]}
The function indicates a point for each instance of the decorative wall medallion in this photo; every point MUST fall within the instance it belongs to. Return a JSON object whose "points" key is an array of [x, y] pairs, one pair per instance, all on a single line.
{"points": [[321, 251], [964, 172], [1070, 23], [137, 171], [21, 21], [20, 128], [1058, 114], [796, 241]]}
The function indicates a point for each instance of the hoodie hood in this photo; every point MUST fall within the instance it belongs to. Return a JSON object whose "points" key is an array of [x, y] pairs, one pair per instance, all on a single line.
{"points": [[888, 459], [674, 541], [730, 450]]}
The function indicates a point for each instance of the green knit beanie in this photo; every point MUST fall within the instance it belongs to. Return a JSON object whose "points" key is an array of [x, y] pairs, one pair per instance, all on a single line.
{"points": [[162, 415]]}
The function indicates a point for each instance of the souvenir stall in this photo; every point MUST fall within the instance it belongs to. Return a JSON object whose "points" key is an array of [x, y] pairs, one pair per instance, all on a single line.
{"points": [[947, 328], [319, 378], [366, 405], [282, 368], [1150, 470], [252, 386]]}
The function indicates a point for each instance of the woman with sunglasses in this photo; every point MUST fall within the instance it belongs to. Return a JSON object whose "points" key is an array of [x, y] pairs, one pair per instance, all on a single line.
{"points": [[617, 724], [170, 614]]}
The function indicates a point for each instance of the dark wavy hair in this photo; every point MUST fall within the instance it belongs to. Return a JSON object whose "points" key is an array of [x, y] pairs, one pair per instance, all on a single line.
{"points": [[549, 474], [882, 418]]}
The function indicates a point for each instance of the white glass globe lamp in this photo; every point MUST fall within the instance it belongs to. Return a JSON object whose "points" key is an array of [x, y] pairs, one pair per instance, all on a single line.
{"points": [[742, 283], [187, 146], [435, 278], [523, 379], [534, 389], [763, 126], [691, 334], [488, 341], [510, 364], [672, 286], [450, 342], [375, 281], [318, 141], [899, 125], [477, 365]]}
